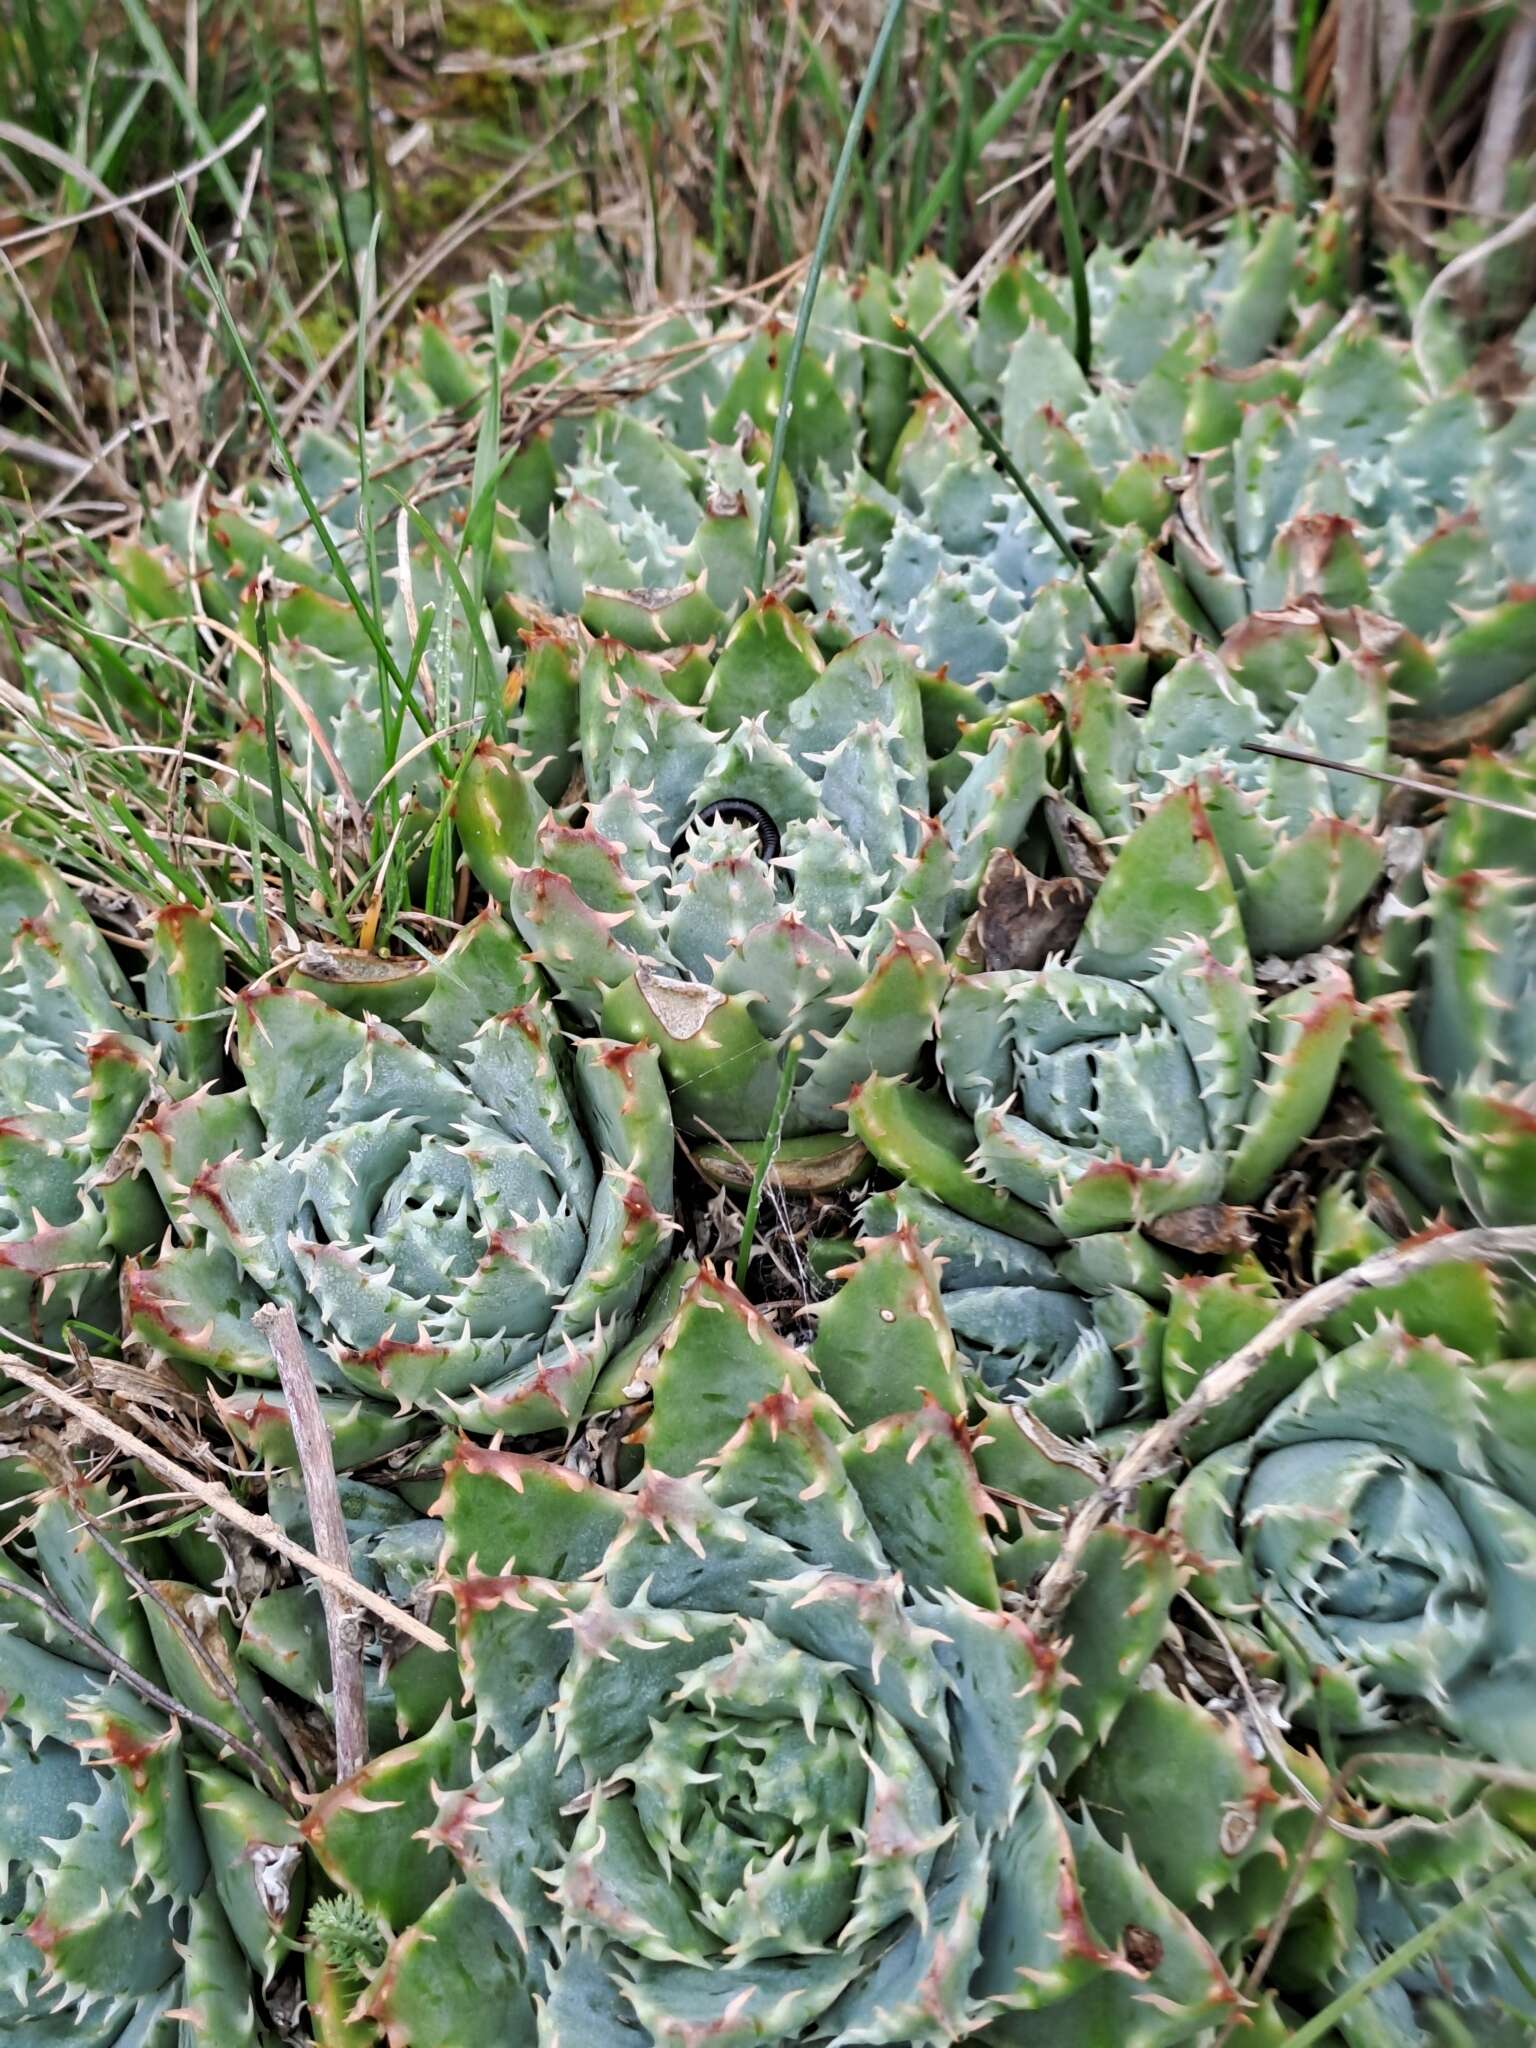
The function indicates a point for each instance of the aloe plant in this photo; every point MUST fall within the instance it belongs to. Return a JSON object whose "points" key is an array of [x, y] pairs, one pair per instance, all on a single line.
{"points": [[757, 1740], [1445, 1836], [1071, 1337], [151, 1888], [1443, 1052], [1246, 459], [764, 863], [1302, 843], [463, 1219], [1361, 1521], [79, 1053], [652, 545], [1137, 1076]]}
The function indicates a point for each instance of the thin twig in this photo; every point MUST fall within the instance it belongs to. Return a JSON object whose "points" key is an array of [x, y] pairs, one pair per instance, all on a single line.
{"points": [[1523, 223], [110, 204], [1198, 79], [1157, 1448], [1282, 71], [221, 1502], [72, 167], [279, 1326], [25, 448], [1264, 1727], [1401, 135], [1322, 1821], [1445, 790], [770, 149], [723, 130]]}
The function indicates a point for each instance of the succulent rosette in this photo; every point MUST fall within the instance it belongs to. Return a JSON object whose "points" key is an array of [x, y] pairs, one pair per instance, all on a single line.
{"points": [[78, 1055], [139, 608], [948, 556], [463, 1218], [1366, 1525], [346, 727], [1242, 452], [758, 1741], [1354, 481], [1224, 1823], [147, 1890], [1136, 1073], [435, 590], [928, 538], [655, 546], [1302, 843], [1074, 1338], [1445, 1834], [1446, 1049], [757, 864]]}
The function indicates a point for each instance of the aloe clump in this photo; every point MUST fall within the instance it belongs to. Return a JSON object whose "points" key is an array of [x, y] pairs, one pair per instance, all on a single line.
{"points": [[1248, 462]]}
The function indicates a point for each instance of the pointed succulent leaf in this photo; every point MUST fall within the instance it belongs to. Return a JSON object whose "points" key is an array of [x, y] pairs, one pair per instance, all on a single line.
{"points": [[718, 1359], [919, 1138], [883, 1343]]}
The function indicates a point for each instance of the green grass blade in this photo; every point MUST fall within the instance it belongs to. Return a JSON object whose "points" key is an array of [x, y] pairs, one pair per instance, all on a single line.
{"points": [[922, 141], [484, 659], [366, 283], [949, 187], [365, 112], [333, 158], [723, 134], [1011, 470], [766, 1157], [829, 219], [274, 765], [1072, 240], [1465, 1913], [268, 411]]}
